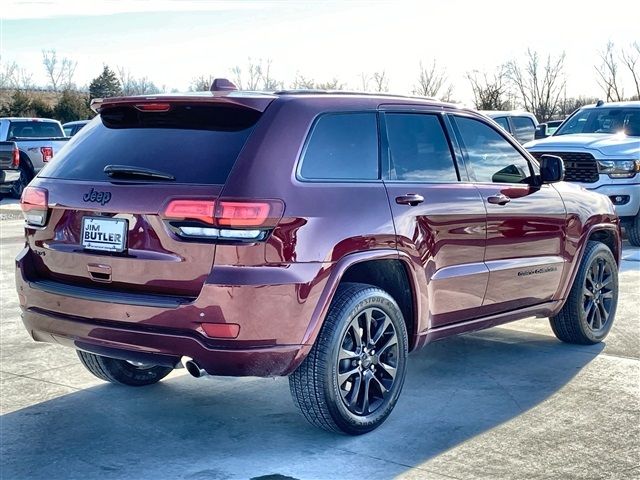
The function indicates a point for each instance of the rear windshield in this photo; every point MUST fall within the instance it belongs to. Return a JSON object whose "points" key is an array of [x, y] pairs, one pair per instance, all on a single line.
{"points": [[33, 129], [195, 144]]}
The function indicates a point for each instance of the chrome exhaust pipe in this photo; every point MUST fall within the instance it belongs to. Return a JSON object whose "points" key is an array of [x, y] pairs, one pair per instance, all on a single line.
{"points": [[193, 368]]}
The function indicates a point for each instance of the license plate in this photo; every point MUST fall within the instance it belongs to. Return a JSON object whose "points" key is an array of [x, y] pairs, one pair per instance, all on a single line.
{"points": [[107, 234]]}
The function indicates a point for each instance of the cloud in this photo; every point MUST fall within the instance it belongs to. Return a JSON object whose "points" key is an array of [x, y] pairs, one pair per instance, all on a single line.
{"points": [[32, 9]]}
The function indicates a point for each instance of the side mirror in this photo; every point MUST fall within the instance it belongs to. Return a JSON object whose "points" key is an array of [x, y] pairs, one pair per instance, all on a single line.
{"points": [[551, 169], [541, 131]]}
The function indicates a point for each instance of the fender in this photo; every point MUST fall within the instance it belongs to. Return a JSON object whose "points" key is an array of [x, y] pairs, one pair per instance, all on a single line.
{"points": [[615, 228], [335, 276]]}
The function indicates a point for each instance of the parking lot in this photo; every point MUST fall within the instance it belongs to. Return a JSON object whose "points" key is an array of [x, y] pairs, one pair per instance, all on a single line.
{"points": [[510, 402]]}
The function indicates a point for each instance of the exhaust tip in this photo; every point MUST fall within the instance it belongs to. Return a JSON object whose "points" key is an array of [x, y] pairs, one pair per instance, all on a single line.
{"points": [[193, 368]]}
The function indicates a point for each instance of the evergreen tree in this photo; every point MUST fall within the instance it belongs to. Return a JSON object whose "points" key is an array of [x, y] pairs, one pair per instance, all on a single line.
{"points": [[40, 108], [72, 106], [19, 106], [105, 85]]}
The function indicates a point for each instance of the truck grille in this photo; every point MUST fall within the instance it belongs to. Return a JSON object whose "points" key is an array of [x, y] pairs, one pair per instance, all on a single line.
{"points": [[578, 166]]}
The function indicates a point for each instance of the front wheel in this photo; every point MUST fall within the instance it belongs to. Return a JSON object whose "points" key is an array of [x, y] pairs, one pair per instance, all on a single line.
{"points": [[587, 316], [121, 371], [352, 378]]}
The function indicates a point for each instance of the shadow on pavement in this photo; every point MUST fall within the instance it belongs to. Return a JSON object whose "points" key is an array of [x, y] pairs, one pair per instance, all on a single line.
{"points": [[243, 428]]}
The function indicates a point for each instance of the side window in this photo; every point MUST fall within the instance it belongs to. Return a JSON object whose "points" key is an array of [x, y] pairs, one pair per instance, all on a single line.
{"points": [[418, 149], [525, 128], [342, 146], [491, 157], [67, 131], [503, 122]]}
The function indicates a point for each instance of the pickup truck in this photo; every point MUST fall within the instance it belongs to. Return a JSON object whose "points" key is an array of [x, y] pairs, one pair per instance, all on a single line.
{"points": [[26, 145], [600, 146]]}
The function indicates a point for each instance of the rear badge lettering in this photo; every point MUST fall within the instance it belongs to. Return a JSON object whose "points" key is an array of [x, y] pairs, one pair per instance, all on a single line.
{"points": [[98, 197]]}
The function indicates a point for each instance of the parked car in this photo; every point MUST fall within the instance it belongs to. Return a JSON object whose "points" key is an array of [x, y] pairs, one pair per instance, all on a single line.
{"points": [[26, 145], [546, 129], [600, 145], [321, 236], [71, 128], [522, 125]]}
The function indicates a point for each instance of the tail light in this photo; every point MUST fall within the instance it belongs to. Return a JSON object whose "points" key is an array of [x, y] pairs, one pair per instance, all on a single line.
{"points": [[47, 153], [224, 219], [35, 205], [15, 158]]}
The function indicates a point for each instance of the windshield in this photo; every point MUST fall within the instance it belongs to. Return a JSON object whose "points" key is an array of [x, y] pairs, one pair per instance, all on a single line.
{"points": [[603, 120]]}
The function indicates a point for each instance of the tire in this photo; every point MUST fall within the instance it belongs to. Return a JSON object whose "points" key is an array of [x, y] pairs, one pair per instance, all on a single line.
{"points": [[19, 185], [122, 372], [633, 231], [588, 314], [315, 383]]}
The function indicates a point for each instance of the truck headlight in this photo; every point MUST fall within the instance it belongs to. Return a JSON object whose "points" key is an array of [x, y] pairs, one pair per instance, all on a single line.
{"points": [[619, 168]]}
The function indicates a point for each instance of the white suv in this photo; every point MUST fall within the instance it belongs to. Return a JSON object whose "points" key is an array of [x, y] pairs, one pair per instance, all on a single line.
{"points": [[600, 146]]}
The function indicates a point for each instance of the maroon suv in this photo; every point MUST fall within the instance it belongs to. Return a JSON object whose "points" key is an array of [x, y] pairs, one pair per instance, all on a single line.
{"points": [[317, 235]]}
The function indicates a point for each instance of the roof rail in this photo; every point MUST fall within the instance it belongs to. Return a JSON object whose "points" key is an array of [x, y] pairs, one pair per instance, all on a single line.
{"points": [[312, 91]]}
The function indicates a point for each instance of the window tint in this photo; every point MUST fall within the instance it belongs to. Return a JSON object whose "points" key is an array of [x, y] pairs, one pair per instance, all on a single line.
{"points": [[34, 129], [197, 145], [503, 122], [342, 146], [491, 158], [67, 131], [418, 149], [525, 128]]}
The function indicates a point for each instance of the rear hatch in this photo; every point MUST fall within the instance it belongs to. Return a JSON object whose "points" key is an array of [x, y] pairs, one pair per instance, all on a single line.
{"points": [[108, 192]]}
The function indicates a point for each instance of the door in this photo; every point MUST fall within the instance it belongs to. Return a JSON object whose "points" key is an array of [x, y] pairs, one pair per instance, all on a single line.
{"points": [[525, 221], [439, 221]]}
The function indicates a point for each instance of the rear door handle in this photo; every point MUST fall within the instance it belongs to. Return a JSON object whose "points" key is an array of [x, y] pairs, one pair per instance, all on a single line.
{"points": [[499, 199], [412, 199]]}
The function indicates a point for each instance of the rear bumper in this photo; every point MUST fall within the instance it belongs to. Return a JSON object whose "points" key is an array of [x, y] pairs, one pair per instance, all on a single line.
{"points": [[160, 347], [272, 305], [7, 178]]}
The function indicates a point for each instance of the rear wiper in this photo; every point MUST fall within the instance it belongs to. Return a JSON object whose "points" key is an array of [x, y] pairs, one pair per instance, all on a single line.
{"points": [[129, 171]]}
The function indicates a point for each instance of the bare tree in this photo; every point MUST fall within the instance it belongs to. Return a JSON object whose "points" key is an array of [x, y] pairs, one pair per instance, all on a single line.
{"points": [[250, 78], [380, 81], [490, 92], [127, 82], [539, 86], [303, 83], [432, 82], [333, 84], [23, 80], [569, 105], [630, 60], [201, 83], [7, 74], [256, 76], [268, 82], [365, 80], [608, 74], [136, 86], [59, 71]]}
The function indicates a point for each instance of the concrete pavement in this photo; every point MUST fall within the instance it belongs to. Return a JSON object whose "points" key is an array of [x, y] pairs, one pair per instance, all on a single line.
{"points": [[510, 402]]}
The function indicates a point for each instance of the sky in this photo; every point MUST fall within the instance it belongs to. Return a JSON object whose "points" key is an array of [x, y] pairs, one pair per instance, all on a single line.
{"points": [[173, 41]]}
